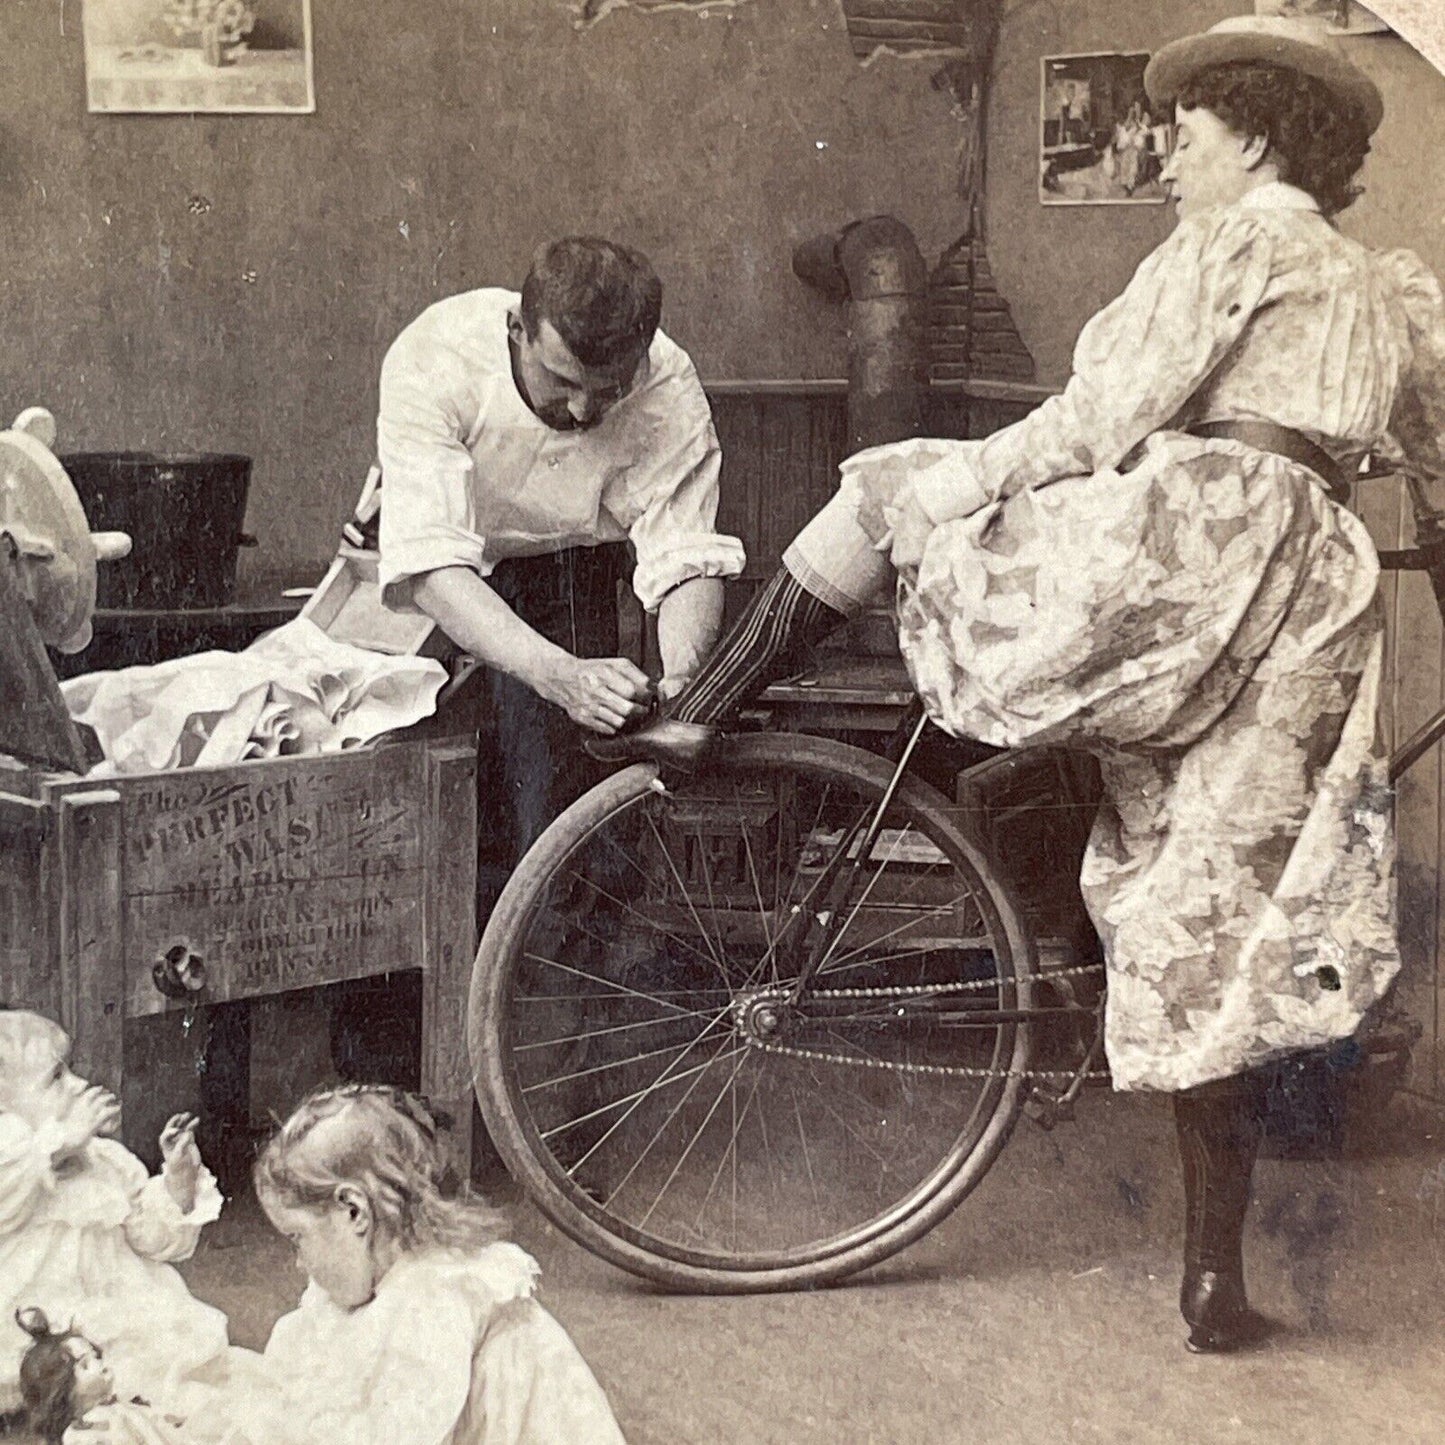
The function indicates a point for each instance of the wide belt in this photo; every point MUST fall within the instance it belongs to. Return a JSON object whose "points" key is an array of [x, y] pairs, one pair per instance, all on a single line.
{"points": [[1284, 441]]}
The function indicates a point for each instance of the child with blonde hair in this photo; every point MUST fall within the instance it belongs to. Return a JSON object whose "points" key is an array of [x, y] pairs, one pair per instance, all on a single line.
{"points": [[87, 1236], [418, 1323]]}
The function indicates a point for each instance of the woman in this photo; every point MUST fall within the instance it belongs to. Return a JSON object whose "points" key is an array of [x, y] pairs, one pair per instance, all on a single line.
{"points": [[1155, 565]]}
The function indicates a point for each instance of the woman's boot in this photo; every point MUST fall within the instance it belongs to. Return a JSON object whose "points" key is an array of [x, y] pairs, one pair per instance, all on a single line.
{"points": [[1219, 1127], [765, 643]]}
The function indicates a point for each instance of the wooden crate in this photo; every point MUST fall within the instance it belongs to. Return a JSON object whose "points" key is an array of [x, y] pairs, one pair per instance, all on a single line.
{"points": [[272, 876]]}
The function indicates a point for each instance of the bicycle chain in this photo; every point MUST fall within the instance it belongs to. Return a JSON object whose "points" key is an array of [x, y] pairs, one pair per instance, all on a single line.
{"points": [[974, 985], [957, 1071]]}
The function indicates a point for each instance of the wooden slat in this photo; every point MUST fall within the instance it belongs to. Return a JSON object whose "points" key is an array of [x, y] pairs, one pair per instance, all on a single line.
{"points": [[29, 977], [981, 321], [777, 386], [999, 341], [1004, 367], [92, 941], [449, 937], [1416, 670], [904, 9]]}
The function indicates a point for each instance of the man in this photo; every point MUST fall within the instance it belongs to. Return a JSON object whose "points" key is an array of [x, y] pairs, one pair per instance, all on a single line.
{"points": [[524, 439]]}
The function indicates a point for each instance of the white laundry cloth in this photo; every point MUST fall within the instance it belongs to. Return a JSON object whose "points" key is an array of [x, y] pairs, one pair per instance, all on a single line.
{"points": [[295, 691]]}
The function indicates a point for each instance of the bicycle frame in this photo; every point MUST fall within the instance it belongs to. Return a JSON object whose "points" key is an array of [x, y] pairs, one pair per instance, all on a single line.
{"points": [[830, 913]]}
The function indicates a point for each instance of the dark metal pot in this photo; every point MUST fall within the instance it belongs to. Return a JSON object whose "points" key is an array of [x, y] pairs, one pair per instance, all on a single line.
{"points": [[184, 515]]}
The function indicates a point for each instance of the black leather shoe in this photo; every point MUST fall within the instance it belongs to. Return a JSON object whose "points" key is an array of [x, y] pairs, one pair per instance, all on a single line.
{"points": [[682, 745], [1218, 1314]]}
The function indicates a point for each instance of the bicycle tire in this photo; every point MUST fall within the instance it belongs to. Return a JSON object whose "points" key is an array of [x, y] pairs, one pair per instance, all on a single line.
{"points": [[498, 1033]]}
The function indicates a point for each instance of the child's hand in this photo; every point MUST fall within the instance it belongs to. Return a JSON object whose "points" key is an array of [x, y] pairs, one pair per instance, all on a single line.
{"points": [[93, 1111], [181, 1160]]}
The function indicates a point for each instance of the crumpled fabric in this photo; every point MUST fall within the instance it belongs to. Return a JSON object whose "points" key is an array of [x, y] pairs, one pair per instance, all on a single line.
{"points": [[294, 692]]}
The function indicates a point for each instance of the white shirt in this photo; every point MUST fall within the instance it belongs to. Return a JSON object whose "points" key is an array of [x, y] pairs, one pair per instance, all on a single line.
{"points": [[472, 475]]}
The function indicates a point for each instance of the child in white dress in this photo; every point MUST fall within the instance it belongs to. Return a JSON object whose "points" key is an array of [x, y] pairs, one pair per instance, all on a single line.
{"points": [[86, 1235], [418, 1324], [70, 1395]]}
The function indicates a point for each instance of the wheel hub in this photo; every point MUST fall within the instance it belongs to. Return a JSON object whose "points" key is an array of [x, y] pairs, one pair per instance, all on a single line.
{"points": [[762, 1016]]}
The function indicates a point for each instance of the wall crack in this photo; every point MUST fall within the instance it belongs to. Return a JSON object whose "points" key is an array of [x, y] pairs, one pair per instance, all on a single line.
{"points": [[588, 12]]}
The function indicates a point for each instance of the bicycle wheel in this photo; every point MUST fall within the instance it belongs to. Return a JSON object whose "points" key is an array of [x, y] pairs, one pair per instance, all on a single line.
{"points": [[651, 1073]]}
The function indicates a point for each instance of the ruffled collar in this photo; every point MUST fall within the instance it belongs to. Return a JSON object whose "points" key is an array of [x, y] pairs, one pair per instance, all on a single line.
{"points": [[1279, 196], [497, 1273]]}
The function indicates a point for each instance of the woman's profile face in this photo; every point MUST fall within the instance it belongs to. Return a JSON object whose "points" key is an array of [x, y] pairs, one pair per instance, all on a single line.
{"points": [[1211, 165]]}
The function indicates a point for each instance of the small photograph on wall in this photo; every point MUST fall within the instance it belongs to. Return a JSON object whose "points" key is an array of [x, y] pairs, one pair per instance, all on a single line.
{"points": [[1100, 144], [237, 56]]}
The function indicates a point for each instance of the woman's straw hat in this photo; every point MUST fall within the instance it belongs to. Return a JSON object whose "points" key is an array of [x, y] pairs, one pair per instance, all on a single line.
{"points": [[1298, 44]]}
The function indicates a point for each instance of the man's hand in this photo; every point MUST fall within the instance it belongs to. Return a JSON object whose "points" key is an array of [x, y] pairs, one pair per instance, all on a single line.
{"points": [[600, 693], [93, 1111], [181, 1160]]}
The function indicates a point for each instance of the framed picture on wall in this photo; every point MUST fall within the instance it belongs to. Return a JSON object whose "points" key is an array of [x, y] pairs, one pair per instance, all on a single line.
{"points": [[1099, 143], [238, 56]]}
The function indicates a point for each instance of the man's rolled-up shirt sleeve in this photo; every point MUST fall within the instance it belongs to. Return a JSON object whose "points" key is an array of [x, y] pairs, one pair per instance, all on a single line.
{"points": [[675, 535], [427, 514]]}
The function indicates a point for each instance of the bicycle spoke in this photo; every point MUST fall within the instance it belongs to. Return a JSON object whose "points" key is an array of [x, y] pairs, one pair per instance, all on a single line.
{"points": [[611, 996], [662, 1080], [717, 957], [635, 913], [941, 912], [952, 946], [617, 988], [662, 1129], [613, 1029], [867, 892], [803, 1140], [640, 1094], [757, 891], [552, 1083], [692, 1143]]}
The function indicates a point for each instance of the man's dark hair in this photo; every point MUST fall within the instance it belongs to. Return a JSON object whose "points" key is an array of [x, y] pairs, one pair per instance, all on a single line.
{"points": [[604, 299], [1318, 140]]}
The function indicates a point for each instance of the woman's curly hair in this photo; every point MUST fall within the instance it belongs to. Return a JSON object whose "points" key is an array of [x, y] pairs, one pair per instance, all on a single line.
{"points": [[386, 1144], [1318, 141]]}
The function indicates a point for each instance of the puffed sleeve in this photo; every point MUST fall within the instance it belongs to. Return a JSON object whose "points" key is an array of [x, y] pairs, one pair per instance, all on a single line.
{"points": [[1418, 420], [27, 1175], [675, 532], [160, 1230], [427, 518], [1136, 364]]}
